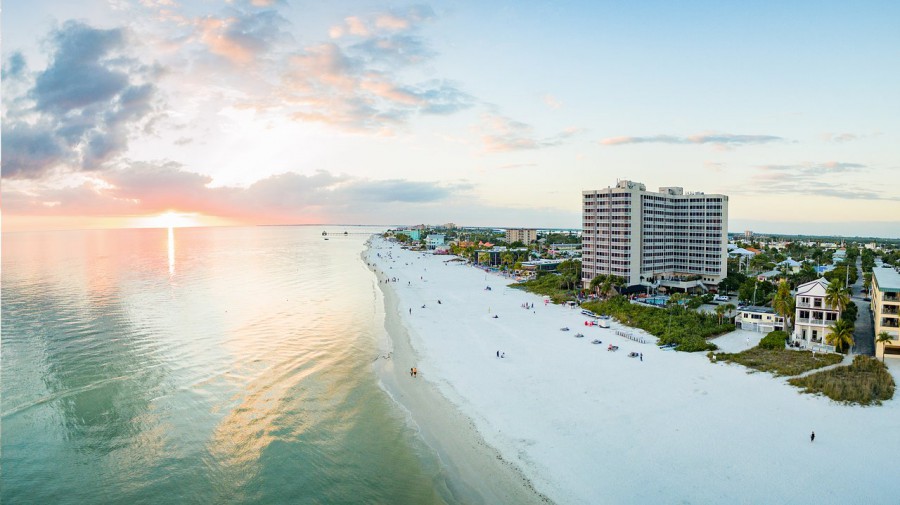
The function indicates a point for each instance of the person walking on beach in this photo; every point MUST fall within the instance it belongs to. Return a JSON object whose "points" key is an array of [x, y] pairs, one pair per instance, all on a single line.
{"points": [[411, 371], [642, 356], [498, 354], [812, 437]]}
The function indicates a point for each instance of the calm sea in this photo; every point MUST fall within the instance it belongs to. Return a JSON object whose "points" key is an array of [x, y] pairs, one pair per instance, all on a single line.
{"points": [[207, 365]]}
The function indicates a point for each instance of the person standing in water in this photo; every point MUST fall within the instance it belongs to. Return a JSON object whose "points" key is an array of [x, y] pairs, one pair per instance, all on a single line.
{"points": [[812, 437]]}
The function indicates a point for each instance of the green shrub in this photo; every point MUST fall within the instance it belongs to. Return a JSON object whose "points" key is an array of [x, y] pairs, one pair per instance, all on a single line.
{"points": [[546, 284], [866, 381], [675, 325], [774, 340]]}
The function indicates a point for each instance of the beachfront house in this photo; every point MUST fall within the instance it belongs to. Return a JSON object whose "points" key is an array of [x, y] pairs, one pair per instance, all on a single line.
{"points": [[761, 319], [886, 310], [813, 316], [433, 240]]}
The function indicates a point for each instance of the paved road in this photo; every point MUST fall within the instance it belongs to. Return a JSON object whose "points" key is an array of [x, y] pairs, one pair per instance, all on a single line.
{"points": [[863, 333]]}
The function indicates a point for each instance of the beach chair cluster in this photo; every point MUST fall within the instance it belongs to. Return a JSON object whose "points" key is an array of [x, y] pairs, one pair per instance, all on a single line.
{"points": [[631, 336]]}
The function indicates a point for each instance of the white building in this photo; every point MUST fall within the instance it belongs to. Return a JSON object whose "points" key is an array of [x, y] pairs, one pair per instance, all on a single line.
{"points": [[761, 319], [669, 238], [434, 240], [813, 316]]}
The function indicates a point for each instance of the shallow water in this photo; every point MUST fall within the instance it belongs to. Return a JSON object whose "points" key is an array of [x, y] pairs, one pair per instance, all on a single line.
{"points": [[209, 365]]}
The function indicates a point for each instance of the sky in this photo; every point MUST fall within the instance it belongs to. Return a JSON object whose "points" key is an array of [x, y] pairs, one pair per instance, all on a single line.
{"points": [[129, 113]]}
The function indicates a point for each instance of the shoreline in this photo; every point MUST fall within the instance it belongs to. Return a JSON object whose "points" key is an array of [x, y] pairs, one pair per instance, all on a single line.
{"points": [[477, 472], [639, 425]]}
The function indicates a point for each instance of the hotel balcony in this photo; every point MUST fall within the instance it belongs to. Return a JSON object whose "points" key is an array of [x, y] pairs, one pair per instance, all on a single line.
{"points": [[890, 323], [817, 322], [891, 297], [890, 310]]}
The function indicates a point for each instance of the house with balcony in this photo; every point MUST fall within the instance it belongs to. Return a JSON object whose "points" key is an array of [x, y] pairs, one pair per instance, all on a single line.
{"points": [[434, 240], [813, 316], [886, 310], [761, 319]]}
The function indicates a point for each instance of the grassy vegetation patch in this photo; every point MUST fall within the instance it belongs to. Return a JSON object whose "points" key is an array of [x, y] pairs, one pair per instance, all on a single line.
{"points": [[780, 361], [674, 325], [547, 285], [866, 381]]}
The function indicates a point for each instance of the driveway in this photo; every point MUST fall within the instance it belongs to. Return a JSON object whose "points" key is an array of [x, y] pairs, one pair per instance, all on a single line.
{"points": [[863, 333]]}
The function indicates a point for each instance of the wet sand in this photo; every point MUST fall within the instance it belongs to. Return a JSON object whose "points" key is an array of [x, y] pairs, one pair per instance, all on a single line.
{"points": [[478, 474]]}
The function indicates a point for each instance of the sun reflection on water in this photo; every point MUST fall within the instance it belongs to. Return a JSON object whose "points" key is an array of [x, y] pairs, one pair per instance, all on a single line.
{"points": [[171, 251]]}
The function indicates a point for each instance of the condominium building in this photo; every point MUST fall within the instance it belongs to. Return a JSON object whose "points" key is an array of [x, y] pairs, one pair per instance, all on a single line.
{"points": [[813, 317], [886, 309], [523, 235], [670, 238]]}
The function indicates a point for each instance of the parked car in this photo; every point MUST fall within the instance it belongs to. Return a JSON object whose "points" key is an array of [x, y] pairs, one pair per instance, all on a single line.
{"points": [[720, 298]]}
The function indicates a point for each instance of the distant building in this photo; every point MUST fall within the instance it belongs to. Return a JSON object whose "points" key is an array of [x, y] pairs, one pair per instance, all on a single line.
{"points": [[771, 275], [412, 234], [886, 309], [761, 319], [494, 256], [450, 226], [748, 233], [541, 265], [839, 256], [433, 240], [813, 316], [790, 265], [523, 235], [740, 251], [669, 238]]}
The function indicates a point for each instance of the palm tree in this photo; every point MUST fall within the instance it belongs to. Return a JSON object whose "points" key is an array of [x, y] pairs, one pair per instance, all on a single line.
{"points": [[721, 310], [841, 334], [783, 303], [883, 338], [674, 301], [597, 282], [837, 296], [506, 259]]}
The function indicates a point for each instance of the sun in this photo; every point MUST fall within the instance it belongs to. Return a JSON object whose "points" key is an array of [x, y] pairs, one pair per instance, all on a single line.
{"points": [[168, 219]]}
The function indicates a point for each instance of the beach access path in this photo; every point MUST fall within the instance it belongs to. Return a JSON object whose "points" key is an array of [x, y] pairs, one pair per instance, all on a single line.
{"points": [[586, 425]]}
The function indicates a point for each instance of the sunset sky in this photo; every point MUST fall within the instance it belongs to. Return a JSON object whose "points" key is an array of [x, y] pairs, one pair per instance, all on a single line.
{"points": [[124, 113]]}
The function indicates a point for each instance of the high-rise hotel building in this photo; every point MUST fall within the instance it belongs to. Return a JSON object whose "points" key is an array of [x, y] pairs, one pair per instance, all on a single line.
{"points": [[669, 238]]}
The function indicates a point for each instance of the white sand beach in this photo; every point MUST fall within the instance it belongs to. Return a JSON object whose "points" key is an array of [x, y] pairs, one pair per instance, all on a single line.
{"points": [[586, 425]]}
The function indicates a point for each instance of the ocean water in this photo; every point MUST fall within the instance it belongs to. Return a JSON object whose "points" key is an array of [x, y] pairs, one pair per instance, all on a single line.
{"points": [[207, 365]]}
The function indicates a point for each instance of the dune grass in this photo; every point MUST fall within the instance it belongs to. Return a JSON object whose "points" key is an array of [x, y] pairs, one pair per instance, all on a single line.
{"points": [[780, 361], [865, 382]]}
